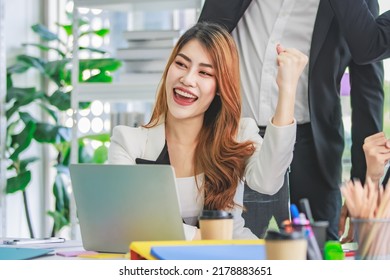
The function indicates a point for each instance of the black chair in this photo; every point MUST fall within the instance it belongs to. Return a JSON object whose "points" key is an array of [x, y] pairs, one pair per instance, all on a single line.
{"points": [[260, 208]]}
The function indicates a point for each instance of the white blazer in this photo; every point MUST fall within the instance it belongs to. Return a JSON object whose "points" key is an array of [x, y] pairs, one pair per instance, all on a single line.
{"points": [[264, 171]]}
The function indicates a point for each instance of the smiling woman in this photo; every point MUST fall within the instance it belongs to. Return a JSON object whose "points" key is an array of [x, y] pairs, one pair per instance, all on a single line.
{"points": [[201, 133], [192, 79]]}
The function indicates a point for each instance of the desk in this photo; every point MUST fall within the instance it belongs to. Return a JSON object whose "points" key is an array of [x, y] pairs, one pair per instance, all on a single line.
{"points": [[67, 246], [140, 248]]}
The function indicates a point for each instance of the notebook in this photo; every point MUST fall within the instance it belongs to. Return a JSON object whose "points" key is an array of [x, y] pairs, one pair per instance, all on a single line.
{"points": [[210, 252], [13, 253], [119, 204]]}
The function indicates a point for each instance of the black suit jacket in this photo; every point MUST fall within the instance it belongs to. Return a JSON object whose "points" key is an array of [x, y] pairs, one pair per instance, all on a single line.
{"points": [[329, 58]]}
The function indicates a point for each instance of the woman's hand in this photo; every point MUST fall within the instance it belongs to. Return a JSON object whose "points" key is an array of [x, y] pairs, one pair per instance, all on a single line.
{"points": [[291, 63]]}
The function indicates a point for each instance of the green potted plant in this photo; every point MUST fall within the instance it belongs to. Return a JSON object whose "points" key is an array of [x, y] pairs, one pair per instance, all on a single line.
{"points": [[23, 129]]}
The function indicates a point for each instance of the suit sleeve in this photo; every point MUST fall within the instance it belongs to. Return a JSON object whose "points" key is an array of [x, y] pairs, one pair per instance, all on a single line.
{"points": [[225, 13], [367, 101], [126, 145], [386, 179], [368, 36]]}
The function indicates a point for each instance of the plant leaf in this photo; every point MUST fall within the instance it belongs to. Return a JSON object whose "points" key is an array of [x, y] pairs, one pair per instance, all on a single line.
{"points": [[60, 99], [84, 155], [32, 61], [100, 32], [22, 140], [57, 70], [46, 48], [23, 163], [84, 105], [102, 64], [68, 28], [100, 155], [61, 213], [23, 96], [18, 68], [48, 133], [63, 169], [18, 183], [26, 118], [11, 131], [102, 77], [60, 220], [93, 50], [102, 137], [49, 111], [44, 32], [10, 84]]}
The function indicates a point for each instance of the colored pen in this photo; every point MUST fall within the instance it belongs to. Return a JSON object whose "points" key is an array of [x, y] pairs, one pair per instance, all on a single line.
{"points": [[305, 206], [294, 214], [299, 219]]}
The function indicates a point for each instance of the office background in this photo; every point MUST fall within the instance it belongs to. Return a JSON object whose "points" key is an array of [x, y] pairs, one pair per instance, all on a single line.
{"points": [[18, 17]]}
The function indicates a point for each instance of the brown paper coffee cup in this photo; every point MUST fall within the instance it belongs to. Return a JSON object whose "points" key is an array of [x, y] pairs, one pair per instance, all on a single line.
{"points": [[294, 249], [216, 225]]}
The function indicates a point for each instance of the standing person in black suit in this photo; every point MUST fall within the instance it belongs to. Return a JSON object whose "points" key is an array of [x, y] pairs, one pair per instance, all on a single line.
{"points": [[312, 27]]}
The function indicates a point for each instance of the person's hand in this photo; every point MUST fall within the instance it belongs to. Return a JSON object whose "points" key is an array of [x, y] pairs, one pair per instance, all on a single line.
{"points": [[344, 215], [377, 152], [291, 63]]}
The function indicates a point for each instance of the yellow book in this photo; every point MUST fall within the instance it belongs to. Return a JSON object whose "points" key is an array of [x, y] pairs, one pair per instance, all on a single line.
{"points": [[141, 249]]}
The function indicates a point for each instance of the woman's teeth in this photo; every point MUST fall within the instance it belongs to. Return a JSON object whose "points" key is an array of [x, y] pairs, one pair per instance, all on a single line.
{"points": [[185, 94]]}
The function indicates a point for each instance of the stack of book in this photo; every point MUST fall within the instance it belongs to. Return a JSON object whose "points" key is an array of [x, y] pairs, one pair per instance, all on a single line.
{"points": [[146, 55]]}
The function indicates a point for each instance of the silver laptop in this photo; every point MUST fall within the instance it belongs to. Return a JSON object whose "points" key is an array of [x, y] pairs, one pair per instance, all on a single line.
{"points": [[118, 204]]}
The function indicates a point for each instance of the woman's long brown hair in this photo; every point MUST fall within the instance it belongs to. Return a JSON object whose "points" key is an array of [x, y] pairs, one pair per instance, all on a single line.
{"points": [[218, 155]]}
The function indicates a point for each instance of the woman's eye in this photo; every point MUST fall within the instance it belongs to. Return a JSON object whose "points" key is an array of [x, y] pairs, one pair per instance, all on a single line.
{"points": [[180, 64], [205, 73]]}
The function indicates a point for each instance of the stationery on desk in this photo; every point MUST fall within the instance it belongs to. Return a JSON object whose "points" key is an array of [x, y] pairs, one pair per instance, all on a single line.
{"points": [[196, 250], [299, 222], [31, 248], [31, 241], [13, 253], [15, 248]]}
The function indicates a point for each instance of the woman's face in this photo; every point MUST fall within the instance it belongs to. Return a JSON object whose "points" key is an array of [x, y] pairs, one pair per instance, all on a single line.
{"points": [[190, 83]]}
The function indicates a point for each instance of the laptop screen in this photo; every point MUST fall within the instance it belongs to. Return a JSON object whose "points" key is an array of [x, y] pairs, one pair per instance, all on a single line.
{"points": [[118, 204]]}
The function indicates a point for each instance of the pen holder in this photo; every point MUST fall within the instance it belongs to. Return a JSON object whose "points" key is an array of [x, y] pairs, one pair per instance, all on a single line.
{"points": [[314, 251], [285, 246], [319, 230], [373, 238]]}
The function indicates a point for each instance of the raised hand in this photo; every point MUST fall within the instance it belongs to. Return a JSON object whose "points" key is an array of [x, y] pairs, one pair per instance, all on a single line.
{"points": [[377, 152], [291, 63]]}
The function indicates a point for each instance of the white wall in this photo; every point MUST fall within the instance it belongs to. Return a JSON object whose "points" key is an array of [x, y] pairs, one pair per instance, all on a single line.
{"points": [[19, 16]]}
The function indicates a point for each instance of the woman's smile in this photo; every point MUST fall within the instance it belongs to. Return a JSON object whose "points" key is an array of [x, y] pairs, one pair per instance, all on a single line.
{"points": [[183, 97]]}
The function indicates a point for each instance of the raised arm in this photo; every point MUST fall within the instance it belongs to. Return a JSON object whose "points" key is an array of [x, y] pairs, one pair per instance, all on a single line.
{"points": [[291, 63], [266, 168], [368, 36]]}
